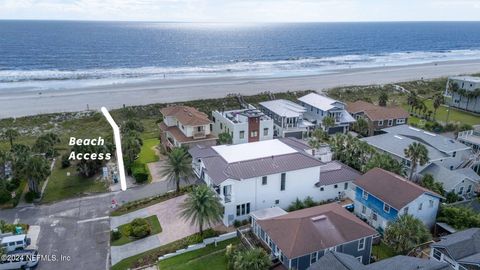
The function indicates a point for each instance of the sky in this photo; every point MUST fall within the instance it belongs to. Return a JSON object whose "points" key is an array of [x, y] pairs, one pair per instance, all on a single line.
{"points": [[243, 10]]}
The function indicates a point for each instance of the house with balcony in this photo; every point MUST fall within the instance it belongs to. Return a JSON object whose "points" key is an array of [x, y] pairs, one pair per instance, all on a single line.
{"points": [[442, 150], [185, 126], [252, 176], [288, 118], [318, 107], [463, 92], [244, 125], [300, 238], [461, 250], [382, 196], [333, 260], [377, 117]]}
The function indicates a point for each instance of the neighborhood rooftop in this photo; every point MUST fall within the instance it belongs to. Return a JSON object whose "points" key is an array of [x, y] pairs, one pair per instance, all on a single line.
{"points": [[437, 141], [283, 107], [391, 188], [305, 231], [319, 101], [336, 172], [396, 145], [466, 78], [375, 112], [449, 178], [463, 247], [186, 115]]}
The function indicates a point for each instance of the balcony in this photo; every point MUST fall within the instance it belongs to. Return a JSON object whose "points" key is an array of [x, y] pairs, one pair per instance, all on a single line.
{"points": [[199, 134]]}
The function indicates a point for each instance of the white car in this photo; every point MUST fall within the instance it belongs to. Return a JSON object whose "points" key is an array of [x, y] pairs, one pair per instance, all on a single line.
{"points": [[14, 242]]}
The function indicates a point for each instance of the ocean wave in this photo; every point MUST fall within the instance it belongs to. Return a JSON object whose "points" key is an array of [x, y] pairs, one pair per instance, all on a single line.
{"points": [[291, 66]]}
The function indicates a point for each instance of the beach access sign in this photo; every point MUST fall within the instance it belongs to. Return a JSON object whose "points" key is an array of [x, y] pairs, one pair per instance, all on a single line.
{"points": [[88, 156]]}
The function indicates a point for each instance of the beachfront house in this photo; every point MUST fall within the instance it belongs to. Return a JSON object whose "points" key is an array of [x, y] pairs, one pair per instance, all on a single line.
{"points": [[288, 118], [445, 151], [264, 174], [300, 238], [317, 107], [185, 126], [377, 117], [244, 125], [464, 181], [461, 250], [382, 196], [463, 92], [333, 260]]}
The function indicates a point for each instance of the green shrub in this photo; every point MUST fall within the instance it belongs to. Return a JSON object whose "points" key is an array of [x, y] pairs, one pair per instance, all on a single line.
{"points": [[140, 173], [140, 228], [65, 161], [126, 230], [30, 196], [115, 235], [5, 196], [237, 223]]}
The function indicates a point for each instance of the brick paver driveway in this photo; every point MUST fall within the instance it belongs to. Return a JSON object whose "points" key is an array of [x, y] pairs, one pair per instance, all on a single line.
{"points": [[173, 228]]}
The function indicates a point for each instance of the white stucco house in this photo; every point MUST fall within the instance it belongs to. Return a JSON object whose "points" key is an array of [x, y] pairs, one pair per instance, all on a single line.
{"points": [[253, 176]]}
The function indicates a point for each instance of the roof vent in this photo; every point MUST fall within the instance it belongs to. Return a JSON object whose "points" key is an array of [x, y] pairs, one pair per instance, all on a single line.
{"points": [[190, 114], [318, 218]]}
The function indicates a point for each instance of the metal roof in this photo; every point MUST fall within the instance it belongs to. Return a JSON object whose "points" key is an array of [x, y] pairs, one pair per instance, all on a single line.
{"points": [[321, 102], [462, 245], [449, 178], [284, 108], [336, 172]]}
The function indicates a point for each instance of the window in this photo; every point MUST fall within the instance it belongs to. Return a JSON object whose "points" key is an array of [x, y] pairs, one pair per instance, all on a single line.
{"points": [[437, 254], [322, 189], [390, 122], [400, 121], [241, 134], [420, 206], [221, 126], [282, 181], [199, 129], [264, 180], [430, 203], [374, 216], [213, 119], [405, 210], [361, 244], [335, 186], [243, 209], [254, 133], [365, 195], [386, 208], [313, 257], [345, 186], [469, 189], [248, 208], [183, 127], [227, 193], [277, 201], [364, 209], [360, 259], [460, 191], [380, 123], [238, 210], [454, 154], [265, 132]]}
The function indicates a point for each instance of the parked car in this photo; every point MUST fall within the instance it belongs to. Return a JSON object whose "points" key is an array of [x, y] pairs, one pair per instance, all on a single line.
{"points": [[19, 259], [15, 242]]}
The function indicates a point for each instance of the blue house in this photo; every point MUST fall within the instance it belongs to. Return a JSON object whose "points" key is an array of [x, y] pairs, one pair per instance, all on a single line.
{"points": [[298, 239], [381, 196]]}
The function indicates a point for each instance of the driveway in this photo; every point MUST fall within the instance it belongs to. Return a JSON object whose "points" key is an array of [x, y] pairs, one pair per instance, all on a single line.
{"points": [[156, 171], [173, 228]]}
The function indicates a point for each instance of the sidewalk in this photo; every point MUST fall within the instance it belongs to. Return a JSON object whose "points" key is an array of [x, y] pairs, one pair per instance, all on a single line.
{"points": [[173, 228]]}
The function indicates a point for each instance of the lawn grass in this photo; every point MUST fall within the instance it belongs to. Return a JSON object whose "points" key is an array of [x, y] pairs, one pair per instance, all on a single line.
{"points": [[456, 116], [211, 255], [382, 251], [147, 153], [155, 226], [61, 187]]}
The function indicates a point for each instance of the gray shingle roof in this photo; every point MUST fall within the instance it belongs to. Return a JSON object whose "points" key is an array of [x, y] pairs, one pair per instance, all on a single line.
{"points": [[464, 245], [441, 143], [336, 172], [340, 261], [219, 170], [396, 145], [449, 178]]}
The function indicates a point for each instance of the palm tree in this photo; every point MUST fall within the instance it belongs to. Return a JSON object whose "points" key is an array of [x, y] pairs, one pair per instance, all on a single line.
{"points": [[418, 154], [202, 207], [36, 170], [11, 135], [412, 100], [252, 259], [383, 99], [437, 101], [225, 138], [385, 162], [361, 126], [405, 233], [177, 166], [328, 122], [476, 94], [131, 147]]}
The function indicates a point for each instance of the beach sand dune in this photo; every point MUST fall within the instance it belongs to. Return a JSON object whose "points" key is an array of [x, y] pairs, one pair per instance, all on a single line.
{"points": [[14, 103]]}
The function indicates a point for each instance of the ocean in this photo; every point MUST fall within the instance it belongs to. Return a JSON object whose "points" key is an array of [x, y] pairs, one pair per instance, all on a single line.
{"points": [[65, 54]]}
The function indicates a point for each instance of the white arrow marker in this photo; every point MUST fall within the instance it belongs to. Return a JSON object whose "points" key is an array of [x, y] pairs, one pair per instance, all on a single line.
{"points": [[118, 144]]}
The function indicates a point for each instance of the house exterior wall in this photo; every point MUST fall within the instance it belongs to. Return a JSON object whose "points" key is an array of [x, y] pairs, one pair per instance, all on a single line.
{"points": [[463, 102], [428, 212], [222, 124], [465, 188], [333, 191], [440, 254]]}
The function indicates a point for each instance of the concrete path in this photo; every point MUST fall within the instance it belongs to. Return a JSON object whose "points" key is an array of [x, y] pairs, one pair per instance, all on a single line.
{"points": [[173, 228]]}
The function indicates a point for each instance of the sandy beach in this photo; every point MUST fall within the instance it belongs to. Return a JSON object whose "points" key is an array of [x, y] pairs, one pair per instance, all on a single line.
{"points": [[16, 102]]}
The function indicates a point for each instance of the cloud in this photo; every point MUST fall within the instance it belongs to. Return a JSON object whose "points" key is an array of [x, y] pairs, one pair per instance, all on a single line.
{"points": [[241, 10]]}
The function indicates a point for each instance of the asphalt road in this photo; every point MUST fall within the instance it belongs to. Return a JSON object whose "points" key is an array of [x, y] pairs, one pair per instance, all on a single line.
{"points": [[77, 231]]}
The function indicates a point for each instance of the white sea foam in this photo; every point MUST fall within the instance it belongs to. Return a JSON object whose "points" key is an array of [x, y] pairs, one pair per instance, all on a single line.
{"points": [[292, 67]]}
